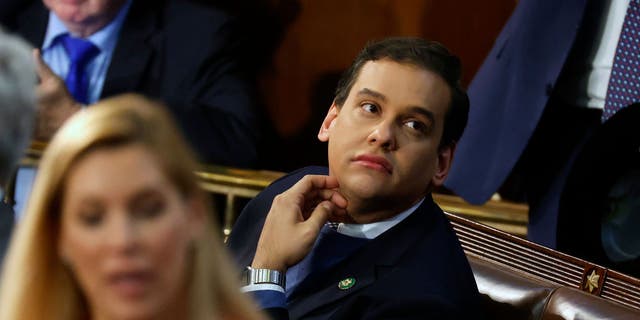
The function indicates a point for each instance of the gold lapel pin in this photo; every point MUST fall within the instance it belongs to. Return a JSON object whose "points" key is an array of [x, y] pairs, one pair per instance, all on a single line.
{"points": [[347, 283]]}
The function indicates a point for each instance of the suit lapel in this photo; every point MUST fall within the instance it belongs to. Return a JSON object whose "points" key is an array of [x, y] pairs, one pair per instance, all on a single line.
{"points": [[316, 292], [138, 42], [367, 265]]}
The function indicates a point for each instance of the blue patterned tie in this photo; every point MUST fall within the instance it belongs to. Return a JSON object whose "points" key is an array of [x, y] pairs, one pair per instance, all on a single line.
{"points": [[80, 52], [624, 84]]}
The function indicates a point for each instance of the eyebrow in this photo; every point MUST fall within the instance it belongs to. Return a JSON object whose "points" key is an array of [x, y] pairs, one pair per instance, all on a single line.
{"points": [[372, 93], [428, 114]]}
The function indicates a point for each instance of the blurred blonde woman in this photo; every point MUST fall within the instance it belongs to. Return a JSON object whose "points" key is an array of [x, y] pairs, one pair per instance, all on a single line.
{"points": [[117, 227]]}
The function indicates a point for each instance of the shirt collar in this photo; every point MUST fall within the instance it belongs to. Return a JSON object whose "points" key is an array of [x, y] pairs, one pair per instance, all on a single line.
{"points": [[105, 39], [55, 28], [374, 229]]}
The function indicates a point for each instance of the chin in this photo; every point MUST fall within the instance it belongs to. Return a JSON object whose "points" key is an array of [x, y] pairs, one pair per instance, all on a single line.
{"points": [[71, 15], [133, 311], [147, 307], [363, 187]]}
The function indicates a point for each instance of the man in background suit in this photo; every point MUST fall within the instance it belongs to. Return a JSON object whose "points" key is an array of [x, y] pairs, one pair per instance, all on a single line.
{"points": [[17, 113], [537, 99], [363, 238], [179, 52]]}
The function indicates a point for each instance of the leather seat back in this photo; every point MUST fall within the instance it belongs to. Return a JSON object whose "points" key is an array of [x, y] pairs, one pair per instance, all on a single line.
{"points": [[509, 294]]}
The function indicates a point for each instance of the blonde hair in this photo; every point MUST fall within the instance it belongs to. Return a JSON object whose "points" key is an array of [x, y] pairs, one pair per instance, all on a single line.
{"points": [[37, 285]]}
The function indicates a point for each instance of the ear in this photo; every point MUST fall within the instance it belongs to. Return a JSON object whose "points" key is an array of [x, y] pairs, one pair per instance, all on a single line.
{"points": [[445, 158], [327, 124]]}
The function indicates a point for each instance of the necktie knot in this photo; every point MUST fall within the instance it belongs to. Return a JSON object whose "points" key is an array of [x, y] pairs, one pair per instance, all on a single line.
{"points": [[80, 52]]}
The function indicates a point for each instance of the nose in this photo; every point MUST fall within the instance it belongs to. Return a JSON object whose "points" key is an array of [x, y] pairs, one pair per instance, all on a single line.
{"points": [[383, 135], [123, 235]]}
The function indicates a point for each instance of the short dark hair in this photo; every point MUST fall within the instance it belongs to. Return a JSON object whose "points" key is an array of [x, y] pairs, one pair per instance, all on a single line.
{"points": [[426, 54]]}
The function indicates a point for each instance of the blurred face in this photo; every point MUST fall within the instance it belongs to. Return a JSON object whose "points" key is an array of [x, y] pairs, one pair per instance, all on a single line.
{"points": [[94, 14], [126, 234], [383, 142]]}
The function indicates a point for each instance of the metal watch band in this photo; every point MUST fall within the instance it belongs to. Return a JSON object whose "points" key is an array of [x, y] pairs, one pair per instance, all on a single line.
{"points": [[257, 276]]}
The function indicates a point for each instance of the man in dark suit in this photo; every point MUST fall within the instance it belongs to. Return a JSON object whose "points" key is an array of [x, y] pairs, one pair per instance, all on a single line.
{"points": [[537, 99], [363, 238], [17, 112], [176, 51]]}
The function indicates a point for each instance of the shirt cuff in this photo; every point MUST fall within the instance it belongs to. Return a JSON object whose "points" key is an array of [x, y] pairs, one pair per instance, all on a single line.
{"points": [[262, 286], [267, 295]]}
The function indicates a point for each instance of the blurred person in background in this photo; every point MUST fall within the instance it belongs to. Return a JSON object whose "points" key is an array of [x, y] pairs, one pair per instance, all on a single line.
{"points": [[557, 73], [185, 54], [177, 51], [118, 228], [17, 113]]}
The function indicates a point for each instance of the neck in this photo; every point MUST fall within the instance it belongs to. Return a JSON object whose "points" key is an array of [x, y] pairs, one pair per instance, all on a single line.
{"points": [[364, 211], [178, 309], [84, 30]]}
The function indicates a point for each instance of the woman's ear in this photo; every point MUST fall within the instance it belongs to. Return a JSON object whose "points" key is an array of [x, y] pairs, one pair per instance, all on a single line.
{"points": [[329, 119]]}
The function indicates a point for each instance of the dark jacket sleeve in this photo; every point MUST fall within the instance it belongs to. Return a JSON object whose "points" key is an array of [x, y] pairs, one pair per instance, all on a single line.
{"points": [[207, 88]]}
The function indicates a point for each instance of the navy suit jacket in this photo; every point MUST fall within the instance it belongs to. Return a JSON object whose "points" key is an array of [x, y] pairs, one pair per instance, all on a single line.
{"points": [[187, 56], [510, 92], [415, 270]]}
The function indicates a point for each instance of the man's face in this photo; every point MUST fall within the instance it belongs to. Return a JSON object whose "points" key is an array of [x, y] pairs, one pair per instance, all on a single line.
{"points": [[85, 12], [383, 142]]}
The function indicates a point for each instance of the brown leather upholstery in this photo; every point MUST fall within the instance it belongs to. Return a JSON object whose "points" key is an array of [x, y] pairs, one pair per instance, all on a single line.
{"points": [[507, 294], [573, 304]]}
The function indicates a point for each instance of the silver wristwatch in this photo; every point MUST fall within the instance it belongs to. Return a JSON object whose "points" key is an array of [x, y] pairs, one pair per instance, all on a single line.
{"points": [[258, 276]]}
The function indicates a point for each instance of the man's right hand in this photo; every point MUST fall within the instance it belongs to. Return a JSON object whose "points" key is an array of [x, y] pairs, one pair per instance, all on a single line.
{"points": [[55, 103], [295, 220]]}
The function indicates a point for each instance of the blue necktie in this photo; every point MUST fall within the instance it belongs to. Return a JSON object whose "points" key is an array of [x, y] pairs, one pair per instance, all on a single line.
{"points": [[624, 84], [80, 52]]}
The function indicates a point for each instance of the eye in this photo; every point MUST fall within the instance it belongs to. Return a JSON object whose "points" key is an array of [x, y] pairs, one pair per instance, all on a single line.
{"points": [[370, 108], [148, 206], [417, 126], [90, 217]]}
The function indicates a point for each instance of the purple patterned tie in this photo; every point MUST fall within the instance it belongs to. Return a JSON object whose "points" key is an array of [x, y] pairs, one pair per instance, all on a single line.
{"points": [[624, 84], [80, 52]]}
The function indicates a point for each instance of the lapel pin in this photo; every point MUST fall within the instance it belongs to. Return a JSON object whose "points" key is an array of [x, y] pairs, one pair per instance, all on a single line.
{"points": [[347, 283]]}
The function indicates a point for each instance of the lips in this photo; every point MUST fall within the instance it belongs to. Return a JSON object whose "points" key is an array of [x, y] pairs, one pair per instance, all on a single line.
{"points": [[72, 2], [374, 162], [130, 284]]}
